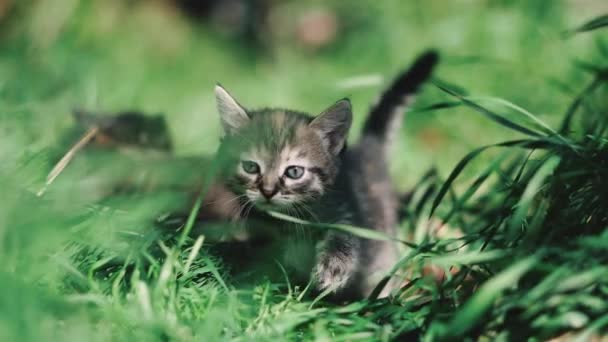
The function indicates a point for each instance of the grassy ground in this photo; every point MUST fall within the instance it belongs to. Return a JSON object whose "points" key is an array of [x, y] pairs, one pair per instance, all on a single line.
{"points": [[78, 268]]}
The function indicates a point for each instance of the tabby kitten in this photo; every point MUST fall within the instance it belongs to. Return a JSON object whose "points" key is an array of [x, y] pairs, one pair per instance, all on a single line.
{"points": [[292, 162]]}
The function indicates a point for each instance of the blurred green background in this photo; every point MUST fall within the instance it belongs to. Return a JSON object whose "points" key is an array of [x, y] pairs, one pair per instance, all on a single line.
{"points": [[152, 56], [165, 57]]}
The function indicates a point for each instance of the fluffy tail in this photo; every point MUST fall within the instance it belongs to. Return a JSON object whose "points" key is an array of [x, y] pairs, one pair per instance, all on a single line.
{"points": [[385, 117]]}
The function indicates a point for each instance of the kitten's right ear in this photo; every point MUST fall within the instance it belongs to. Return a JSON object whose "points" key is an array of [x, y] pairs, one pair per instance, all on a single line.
{"points": [[333, 125], [232, 114]]}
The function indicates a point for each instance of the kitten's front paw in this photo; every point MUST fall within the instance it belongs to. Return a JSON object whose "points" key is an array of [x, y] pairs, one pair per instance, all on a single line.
{"points": [[333, 272]]}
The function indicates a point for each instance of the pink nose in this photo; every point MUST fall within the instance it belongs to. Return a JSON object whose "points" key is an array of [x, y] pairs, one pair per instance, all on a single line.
{"points": [[268, 193]]}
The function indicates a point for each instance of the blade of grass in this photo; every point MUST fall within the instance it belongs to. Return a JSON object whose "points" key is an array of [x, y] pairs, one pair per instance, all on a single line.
{"points": [[566, 122], [494, 165], [472, 311], [67, 158], [591, 329], [593, 24], [582, 279], [468, 258], [356, 231], [491, 115], [194, 252], [211, 177], [533, 187], [400, 264], [143, 297], [284, 272], [524, 143], [539, 123], [216, 274], [437, 106]]}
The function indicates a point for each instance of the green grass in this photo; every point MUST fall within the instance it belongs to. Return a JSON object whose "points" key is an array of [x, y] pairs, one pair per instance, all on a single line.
{"points": [[533, 252]]}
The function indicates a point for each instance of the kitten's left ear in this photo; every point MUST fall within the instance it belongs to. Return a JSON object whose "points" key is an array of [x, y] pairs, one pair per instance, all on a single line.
{"points": [[232, 114], [333, 125]]}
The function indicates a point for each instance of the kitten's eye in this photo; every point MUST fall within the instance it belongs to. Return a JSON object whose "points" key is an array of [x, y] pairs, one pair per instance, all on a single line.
{"points": [[294, 172], [250, 167]]}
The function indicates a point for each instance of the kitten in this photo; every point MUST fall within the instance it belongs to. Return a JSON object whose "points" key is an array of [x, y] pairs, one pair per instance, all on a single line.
{"points": [[292, 162]]}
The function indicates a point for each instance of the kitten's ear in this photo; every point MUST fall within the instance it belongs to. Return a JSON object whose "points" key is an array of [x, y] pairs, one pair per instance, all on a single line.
{"points": [[233, 115], [333, 125]]}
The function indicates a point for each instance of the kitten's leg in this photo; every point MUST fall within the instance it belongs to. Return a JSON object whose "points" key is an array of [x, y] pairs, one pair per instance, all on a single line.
{"points": [[337, 261]]}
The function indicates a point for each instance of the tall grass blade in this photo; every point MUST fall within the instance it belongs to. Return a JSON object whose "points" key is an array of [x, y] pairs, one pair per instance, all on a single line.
{"points": [[534, 186], [593, 24], [491, 115], [524, 143], [473, 310]]}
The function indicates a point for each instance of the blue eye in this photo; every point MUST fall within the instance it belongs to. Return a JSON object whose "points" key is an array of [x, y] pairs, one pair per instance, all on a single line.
{"points": [[250, 167], [294, 172]]}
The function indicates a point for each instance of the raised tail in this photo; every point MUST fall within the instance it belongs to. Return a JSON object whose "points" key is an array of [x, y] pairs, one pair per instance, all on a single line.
{"points": [[371, 181], [385, 116]]}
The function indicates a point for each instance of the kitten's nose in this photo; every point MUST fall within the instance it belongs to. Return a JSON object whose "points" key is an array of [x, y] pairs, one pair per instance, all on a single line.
{"points": [[268, 193]]}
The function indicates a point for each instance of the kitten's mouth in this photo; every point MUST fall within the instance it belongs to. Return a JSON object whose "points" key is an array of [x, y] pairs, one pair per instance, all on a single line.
{"points": [[270, 205], [275, 203]]}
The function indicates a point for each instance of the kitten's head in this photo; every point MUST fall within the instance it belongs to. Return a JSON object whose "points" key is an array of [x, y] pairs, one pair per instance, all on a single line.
{"points": [[279, 158]]}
